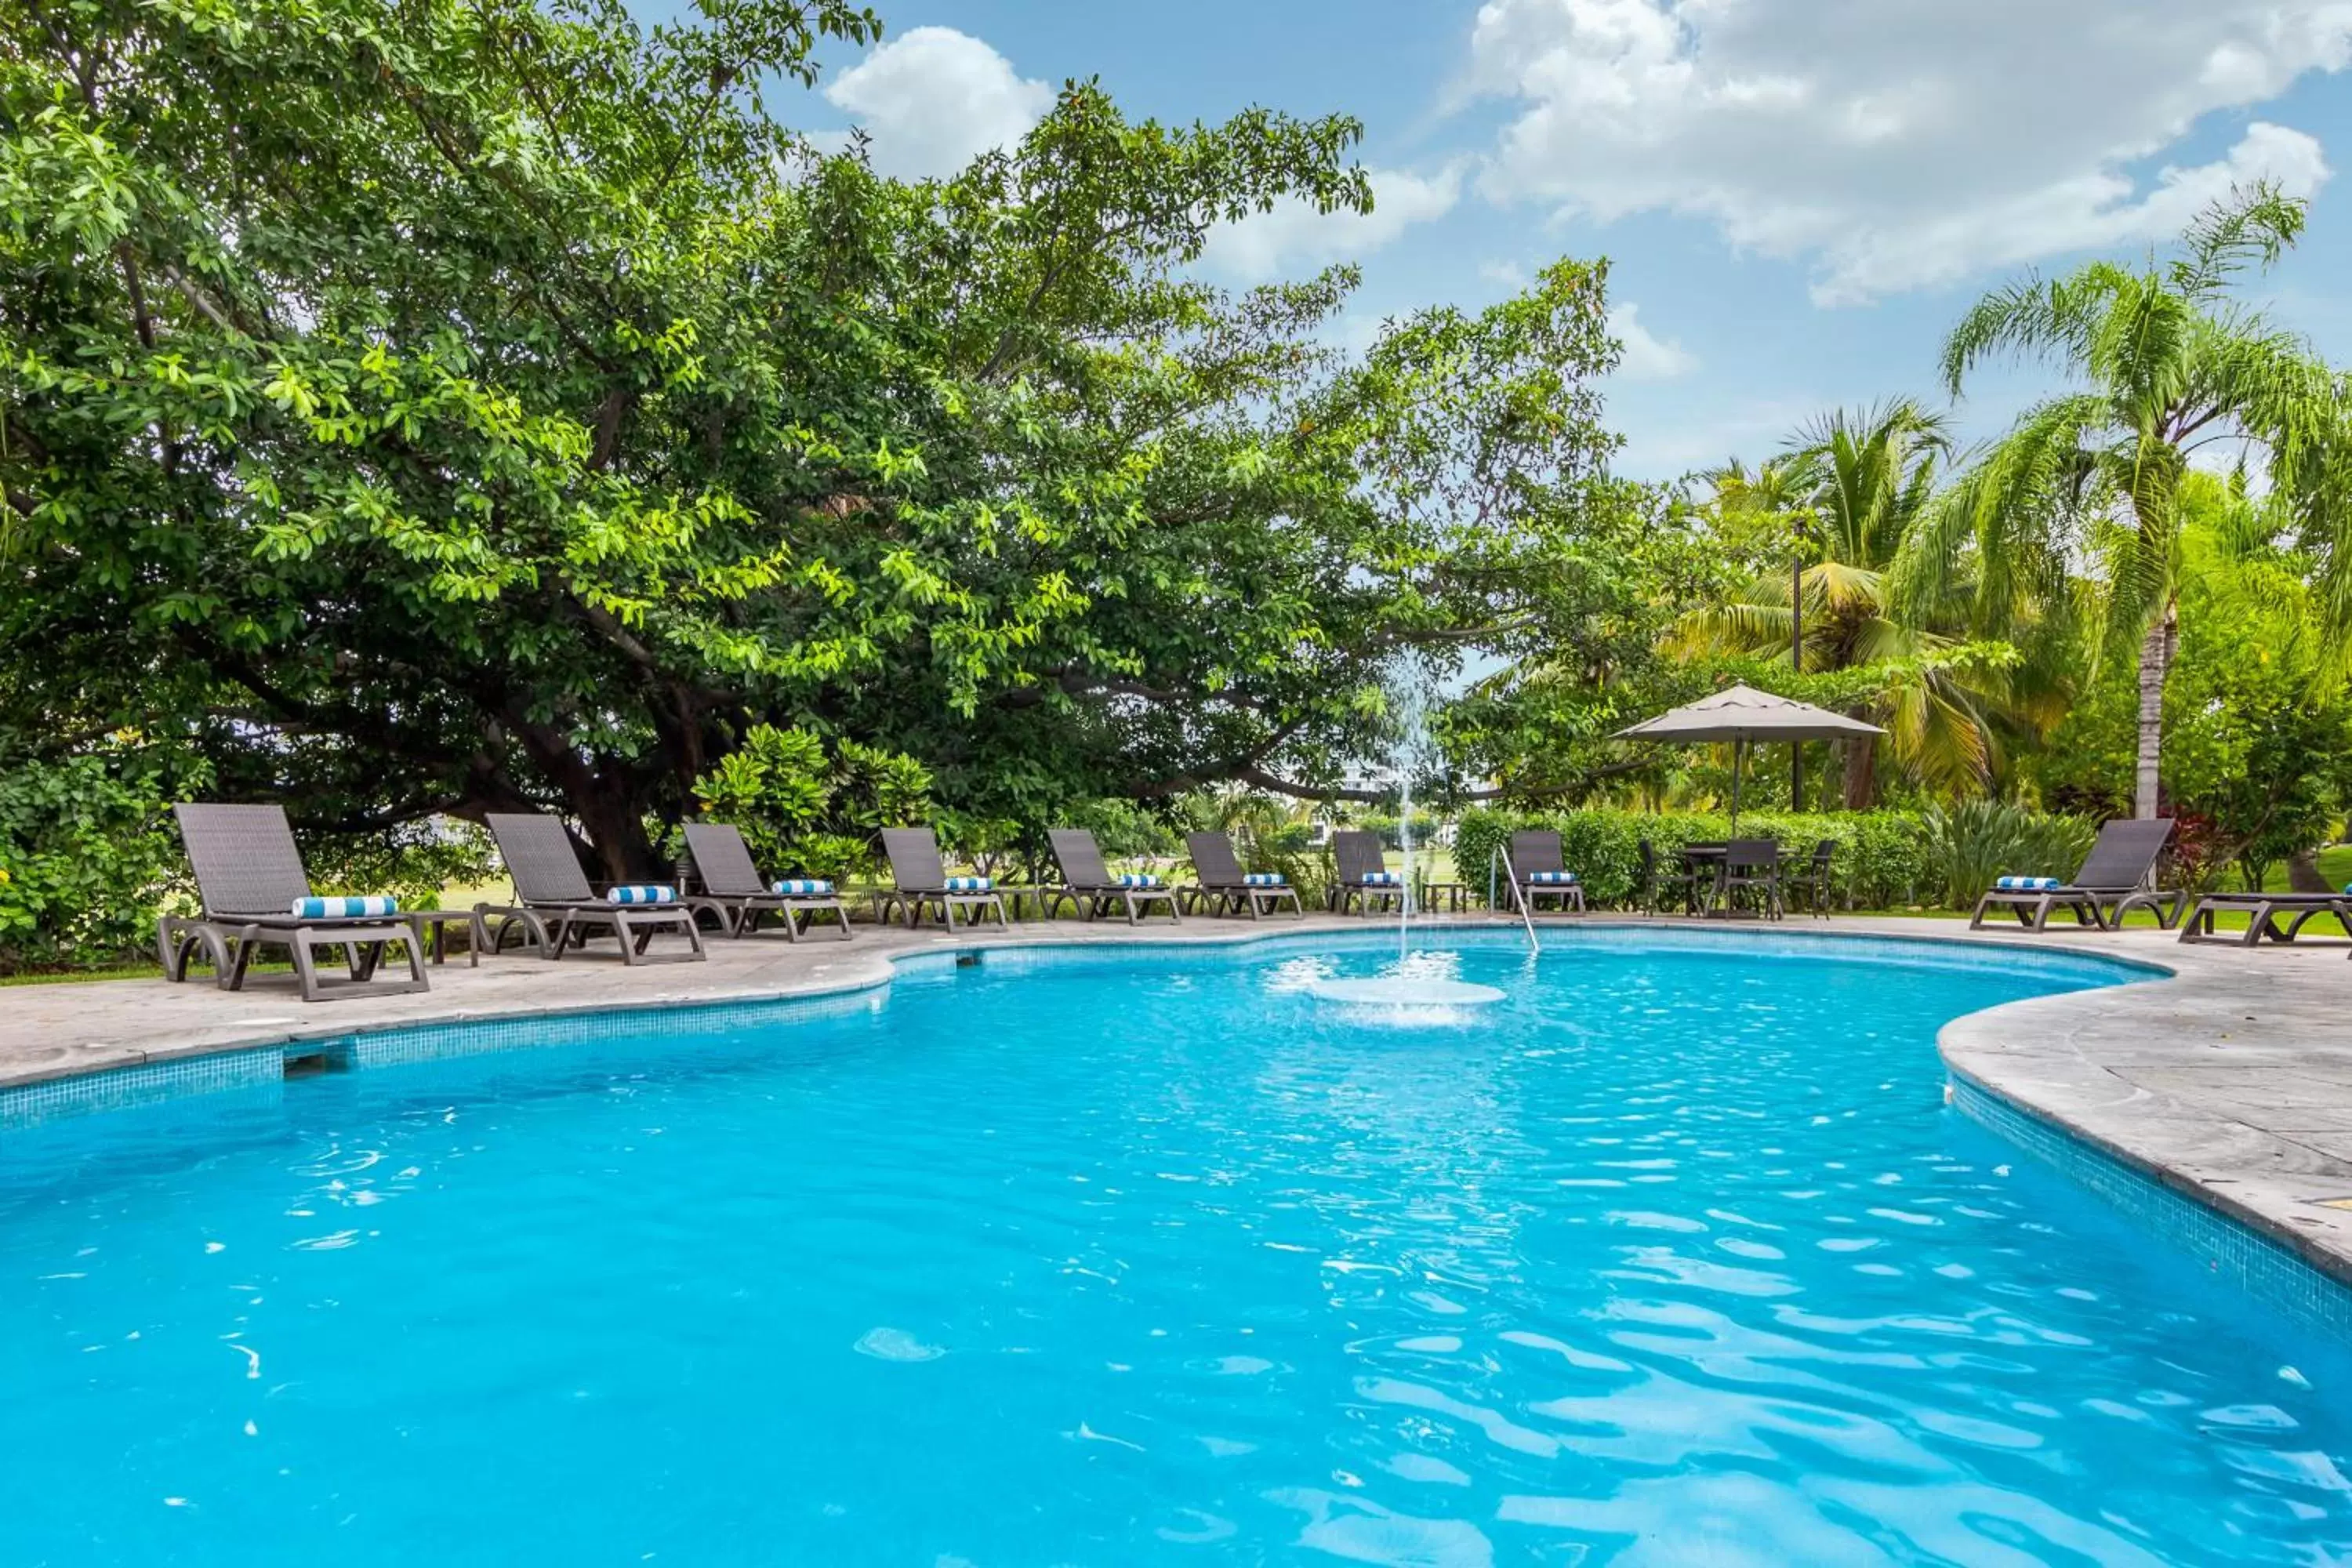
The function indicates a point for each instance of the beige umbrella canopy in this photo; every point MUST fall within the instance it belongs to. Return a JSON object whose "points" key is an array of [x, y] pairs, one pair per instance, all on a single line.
{"points": [[1743, 715]]}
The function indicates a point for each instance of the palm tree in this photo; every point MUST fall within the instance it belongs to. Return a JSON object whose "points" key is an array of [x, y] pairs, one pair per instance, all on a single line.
{"points": [[1854, 487], [2165, 362]]}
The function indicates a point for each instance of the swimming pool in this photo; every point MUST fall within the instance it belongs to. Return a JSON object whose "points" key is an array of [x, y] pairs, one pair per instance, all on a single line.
{"points": [[1675, 1256]]}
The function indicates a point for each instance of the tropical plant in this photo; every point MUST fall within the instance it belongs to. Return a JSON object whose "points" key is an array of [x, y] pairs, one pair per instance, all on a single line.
{"points": [[2258, 725], [806, 811], [1840, 502], [2167, 363], [1965, 845]]}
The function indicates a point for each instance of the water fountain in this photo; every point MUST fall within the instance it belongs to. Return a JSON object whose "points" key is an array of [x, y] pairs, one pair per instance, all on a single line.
{"points": [[1411, 693]]}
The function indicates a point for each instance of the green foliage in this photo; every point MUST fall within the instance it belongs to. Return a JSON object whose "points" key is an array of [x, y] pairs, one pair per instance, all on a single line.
{"points": [[2164, 362], [1123, 830], [1968, 843], [2258, 731], [88, 857], [1268, 835], [804, 812], [1391, 829], [438, 407]]}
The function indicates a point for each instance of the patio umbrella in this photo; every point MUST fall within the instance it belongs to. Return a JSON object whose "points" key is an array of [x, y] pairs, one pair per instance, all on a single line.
{"points": [[1742, 715]]}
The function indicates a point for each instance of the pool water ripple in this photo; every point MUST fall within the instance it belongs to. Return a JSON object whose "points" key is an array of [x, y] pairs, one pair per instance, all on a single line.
{"points": [[1669, 1257]]}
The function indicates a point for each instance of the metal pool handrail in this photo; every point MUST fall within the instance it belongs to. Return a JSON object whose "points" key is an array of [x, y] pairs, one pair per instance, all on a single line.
{"points": [[1502, 862]]}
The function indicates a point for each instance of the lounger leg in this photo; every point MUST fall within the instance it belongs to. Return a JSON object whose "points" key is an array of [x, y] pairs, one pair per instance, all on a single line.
{"points": [[306, 973], [230, 976]]}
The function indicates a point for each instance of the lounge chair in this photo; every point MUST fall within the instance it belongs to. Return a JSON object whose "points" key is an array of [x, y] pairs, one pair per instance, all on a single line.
{"points": [[556, 910], [1221, 885], [2114, 880], [920, 879], [1364, 879], [2270, 917], [1540, 870], [726, 886], [256, 894], [1751, 867], [1091, 888]]}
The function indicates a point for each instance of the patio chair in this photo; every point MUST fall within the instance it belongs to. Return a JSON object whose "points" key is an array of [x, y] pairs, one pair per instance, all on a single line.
{"points": [[1091, 888], [2114, 880], [1221, 885], [1540, 870], [1654, 878], [920, 879], [1751, 875], [556, 910], [726, 885], [256, 894], [2277, 918], [1812, 883], [1364, 879]]}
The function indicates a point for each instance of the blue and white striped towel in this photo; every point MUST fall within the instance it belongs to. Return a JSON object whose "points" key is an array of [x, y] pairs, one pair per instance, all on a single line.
{"points": [[373, 905], [1384, 880], [641, 894], [970, 884], [1264, 879], [1135, 880], [1553, 878], [803, 887], [2026, 884]]}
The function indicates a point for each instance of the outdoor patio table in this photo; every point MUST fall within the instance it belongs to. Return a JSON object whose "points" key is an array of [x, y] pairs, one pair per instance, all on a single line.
{"points": [[1705, 862], [1455, 894]]}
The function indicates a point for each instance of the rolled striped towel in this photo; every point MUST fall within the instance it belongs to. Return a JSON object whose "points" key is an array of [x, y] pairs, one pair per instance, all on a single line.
{"points": [[2026, 884], [1264, 880], [803, 887], [368, 908], [1382, 879], [641, 893], [1553, 878], [1135, 880], [970, 884]]}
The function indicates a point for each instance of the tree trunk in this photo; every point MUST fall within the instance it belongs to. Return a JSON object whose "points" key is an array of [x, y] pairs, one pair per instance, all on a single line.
{"points": [[2303, 873], [1861, 772], [2156, 653]]}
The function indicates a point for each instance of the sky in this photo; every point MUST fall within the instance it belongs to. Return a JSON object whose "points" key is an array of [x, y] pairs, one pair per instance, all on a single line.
{"points": [[1797, 197]]}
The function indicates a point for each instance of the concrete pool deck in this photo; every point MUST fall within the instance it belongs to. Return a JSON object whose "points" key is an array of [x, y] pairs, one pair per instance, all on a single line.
{"points": [[2231, 1081]]}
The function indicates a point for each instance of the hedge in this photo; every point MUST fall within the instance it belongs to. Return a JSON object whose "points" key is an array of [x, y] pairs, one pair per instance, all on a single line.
{"points": [[1881, 862]]}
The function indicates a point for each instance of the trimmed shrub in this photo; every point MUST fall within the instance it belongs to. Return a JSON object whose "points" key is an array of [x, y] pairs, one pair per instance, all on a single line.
{"points": [[1880, 862]]}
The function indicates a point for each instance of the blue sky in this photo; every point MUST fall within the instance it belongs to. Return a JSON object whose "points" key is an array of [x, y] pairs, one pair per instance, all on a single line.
{"points": [[1798, 197]]}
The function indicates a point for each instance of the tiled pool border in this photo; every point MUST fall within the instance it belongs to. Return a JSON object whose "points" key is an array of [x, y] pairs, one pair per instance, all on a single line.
{"points": [[2228, 1247], [2231, 1246]]}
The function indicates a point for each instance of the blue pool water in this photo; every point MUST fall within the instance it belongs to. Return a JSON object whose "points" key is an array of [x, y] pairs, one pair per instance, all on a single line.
{"points": [[1672, 1257]]}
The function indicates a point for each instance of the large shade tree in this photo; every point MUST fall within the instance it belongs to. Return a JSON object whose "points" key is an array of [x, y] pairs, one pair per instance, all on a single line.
{"points": [[447, 407], [2165, 361]]}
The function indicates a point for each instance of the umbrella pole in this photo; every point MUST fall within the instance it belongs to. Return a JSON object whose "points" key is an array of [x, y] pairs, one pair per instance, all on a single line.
{"points": [[1737, 746]]}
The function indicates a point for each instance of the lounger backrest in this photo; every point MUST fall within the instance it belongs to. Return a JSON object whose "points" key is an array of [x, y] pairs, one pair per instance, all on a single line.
{"points": [[915, 862], [722, 861], [1080, 858], [1213, 860], [2125, 853], [1536, 849], [536, 849], [1748, 854], [1358, 854], [243, 857]]}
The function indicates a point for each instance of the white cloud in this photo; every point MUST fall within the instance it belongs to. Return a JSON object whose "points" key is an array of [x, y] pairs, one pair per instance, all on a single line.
{"points": [[932, 99], [1294, 237], [1646, 357], [1894, 144]]}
